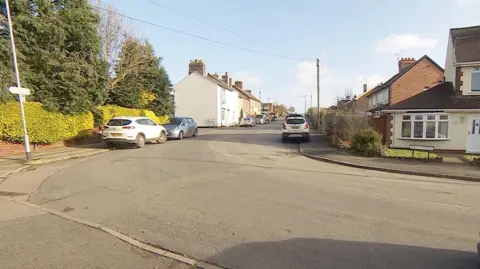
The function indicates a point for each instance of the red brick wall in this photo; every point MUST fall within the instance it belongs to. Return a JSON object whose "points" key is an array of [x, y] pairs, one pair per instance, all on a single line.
{"points": [[424, 74]]}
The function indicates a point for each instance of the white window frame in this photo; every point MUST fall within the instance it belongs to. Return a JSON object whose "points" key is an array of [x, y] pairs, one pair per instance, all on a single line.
{"points": [[424, 119], [475, 71]]}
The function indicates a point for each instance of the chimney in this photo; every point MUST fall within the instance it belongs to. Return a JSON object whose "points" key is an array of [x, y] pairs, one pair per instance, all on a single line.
{"points": [[225, 78], [404, 63], [364, 88], [230, 82], [215, 75], [239, 84], [197, 65]]}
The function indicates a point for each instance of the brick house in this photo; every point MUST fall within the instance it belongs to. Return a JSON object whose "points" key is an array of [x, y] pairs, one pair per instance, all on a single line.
{"points": [[413, 77], [448, 115]]}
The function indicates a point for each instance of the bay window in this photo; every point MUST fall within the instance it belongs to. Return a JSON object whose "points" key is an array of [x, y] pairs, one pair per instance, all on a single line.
{"points": [[425, 126]]}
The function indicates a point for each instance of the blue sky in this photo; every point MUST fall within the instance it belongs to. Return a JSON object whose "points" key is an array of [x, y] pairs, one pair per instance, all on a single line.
{"points": [[356, 41]]}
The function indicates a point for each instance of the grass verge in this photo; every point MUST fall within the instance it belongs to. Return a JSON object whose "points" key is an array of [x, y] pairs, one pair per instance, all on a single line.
{"points": [[408, 153]]}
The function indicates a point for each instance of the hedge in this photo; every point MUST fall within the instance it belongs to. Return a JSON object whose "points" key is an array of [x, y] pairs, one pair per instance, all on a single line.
{"points": [[43, 127], [111, 111]]}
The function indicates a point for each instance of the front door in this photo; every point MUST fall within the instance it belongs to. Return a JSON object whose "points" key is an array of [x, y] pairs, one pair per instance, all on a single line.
{"points": [[473, 140]]}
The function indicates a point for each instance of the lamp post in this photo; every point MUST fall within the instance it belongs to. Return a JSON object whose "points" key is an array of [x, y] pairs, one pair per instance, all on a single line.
{"points": [[28, 154]]}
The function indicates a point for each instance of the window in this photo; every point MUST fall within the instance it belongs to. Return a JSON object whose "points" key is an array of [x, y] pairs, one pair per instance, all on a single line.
{"points": [[476, 79], [425, 126], [406, 126]]}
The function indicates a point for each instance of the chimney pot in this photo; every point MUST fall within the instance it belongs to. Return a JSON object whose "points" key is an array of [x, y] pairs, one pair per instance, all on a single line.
{"points": [[239, 84], [364, 87], [198, 66], [225, 78], [230, 82], [404, 63]]}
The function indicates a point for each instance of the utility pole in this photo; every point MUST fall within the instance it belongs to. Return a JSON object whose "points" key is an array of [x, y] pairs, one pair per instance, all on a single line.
{"points": [[311, 102], [305, 97], [318, 94], [21, 97]]}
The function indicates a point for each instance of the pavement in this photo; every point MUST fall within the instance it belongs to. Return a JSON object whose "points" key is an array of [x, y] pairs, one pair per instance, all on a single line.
{"points": [[239, 198], [32, 238], [14, 163], [450, 168]]}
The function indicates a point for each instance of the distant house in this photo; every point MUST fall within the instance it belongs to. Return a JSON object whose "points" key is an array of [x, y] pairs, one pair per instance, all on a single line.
{"points": [[359, 104], [207, 99], [243, 99], [413, 77], [446, 116]]}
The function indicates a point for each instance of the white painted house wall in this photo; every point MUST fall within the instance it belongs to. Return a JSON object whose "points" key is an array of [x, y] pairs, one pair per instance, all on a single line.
{"points": [[196, 97], [228, 104], [450, 63]]}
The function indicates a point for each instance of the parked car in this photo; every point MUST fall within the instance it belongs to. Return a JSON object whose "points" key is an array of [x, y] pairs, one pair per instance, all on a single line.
{"points": [[478, 255], [274, 118], [295, 127], [248, 121], [180, 127], [260, 119], [133, 130]]}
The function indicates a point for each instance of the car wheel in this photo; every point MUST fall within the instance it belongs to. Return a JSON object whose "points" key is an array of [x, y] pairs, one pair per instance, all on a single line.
{"points": [[110, 145], [163, 138], [180, 135], [140, 141], [284, 140], [307, 139], [195, 133]]}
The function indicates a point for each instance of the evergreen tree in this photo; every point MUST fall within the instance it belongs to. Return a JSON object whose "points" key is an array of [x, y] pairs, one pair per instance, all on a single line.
{"points": [[150, 79], [58, 49]]}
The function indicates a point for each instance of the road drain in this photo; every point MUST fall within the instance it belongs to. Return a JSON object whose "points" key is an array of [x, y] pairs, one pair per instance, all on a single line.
{"points": [[11, 194]]}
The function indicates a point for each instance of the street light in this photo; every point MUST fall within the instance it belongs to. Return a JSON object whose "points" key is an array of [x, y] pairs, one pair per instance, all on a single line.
{"points": [[18, 90]]}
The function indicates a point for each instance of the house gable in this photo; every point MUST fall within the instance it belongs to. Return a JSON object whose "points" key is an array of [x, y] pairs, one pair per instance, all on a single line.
{"points": [[425, 74]]}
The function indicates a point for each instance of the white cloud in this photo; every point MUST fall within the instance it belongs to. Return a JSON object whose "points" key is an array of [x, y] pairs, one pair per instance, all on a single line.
{"points": [[332, 83], [249, 80], [395, 43], [372, 80]]}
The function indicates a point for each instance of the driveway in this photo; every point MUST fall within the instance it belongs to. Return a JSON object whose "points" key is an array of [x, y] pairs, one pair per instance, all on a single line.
{"points": [[240, 198]]}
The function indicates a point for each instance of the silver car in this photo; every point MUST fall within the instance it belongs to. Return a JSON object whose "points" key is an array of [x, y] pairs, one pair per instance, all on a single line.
{"points": [[180, 127]]}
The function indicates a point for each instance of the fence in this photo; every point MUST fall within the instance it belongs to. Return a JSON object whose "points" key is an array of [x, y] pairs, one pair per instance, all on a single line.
{"points": [[341, 127]]}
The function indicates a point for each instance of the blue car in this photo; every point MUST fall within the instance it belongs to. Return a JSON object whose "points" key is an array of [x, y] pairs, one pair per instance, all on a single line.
{"points": [[180, 127]]}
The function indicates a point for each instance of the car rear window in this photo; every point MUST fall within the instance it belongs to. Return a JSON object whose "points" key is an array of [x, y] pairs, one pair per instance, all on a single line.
{"points": [[118, 122], [295, 121]]}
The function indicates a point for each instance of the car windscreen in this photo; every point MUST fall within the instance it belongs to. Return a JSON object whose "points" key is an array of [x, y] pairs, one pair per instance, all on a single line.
{"points": [[259, 117], [295, 115], [295, 121], [174, 121], [119, 122], [246, 118]]}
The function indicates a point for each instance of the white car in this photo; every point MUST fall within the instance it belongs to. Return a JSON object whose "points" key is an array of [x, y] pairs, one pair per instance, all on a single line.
{"points": [[295, 127], [248, 121], [133, 130]]}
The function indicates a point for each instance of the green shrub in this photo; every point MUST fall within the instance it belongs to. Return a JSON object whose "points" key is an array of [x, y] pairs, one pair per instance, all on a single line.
{"points": [[368, 141], [111, 111], [43, 127]]}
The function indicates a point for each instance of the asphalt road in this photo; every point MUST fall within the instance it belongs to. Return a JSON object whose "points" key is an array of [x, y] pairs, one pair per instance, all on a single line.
{"points": [[240, 198]]}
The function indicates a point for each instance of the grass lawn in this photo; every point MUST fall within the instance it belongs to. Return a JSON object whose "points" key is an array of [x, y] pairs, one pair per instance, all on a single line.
{"points": [[471, 157], [408, 153]]}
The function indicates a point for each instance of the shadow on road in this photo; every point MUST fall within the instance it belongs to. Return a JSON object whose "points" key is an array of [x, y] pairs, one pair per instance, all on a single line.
{"points": [[307, 253]]}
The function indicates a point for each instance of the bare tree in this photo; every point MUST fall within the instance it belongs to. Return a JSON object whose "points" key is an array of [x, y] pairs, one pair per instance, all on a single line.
{"points": [[114, 32]]}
